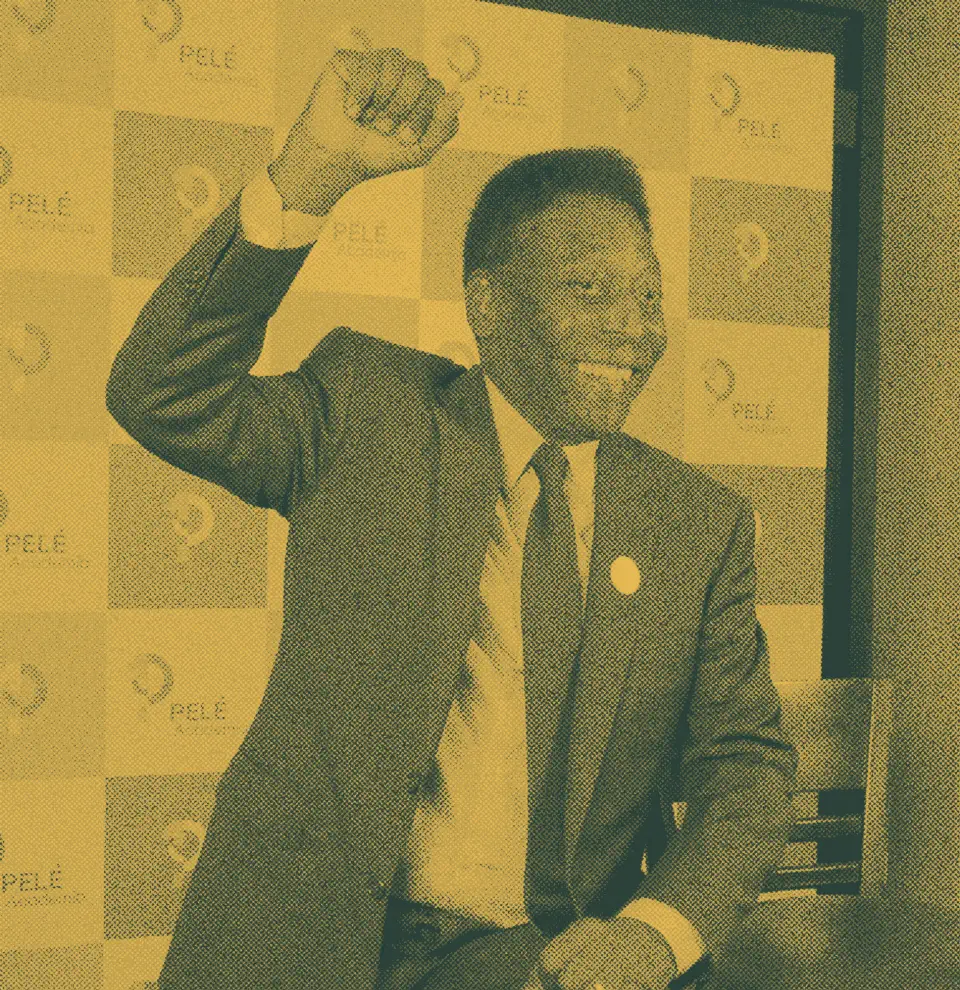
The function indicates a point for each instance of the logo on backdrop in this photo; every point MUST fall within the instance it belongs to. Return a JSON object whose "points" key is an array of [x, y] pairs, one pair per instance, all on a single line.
{"points": [[153, 679], [184, 842], [24, 690], [198, 194], [25, 549], [34, 342], [163, 17], [28, 351], [192, 520], [465, 59], [725, 93], [726, 96], [44, 883], [6, 165], [39, 209], [755, 416], [753, 248], [37, 16], [463, 56], [630, 86], [365, 238], [719, 379]]}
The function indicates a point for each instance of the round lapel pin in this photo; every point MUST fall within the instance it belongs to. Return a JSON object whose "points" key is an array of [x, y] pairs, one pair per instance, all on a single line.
{"points": [[625, 575]]}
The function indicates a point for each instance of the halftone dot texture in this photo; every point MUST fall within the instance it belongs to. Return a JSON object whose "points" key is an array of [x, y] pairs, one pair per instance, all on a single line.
{"points": [[143, 600]]}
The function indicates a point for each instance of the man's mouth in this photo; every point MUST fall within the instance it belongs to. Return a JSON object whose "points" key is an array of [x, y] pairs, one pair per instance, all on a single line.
{"points": [[616, 374]]}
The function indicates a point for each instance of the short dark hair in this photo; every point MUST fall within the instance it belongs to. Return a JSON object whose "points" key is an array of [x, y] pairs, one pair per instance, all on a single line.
{"points": [[531, 183]]}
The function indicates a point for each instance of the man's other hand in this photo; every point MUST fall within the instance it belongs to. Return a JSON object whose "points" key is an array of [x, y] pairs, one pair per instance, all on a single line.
{"points": [[614, 954], [370, 113]]}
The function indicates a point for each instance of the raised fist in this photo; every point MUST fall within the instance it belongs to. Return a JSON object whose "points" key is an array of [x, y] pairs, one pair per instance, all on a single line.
{"points": [[370, 113]]}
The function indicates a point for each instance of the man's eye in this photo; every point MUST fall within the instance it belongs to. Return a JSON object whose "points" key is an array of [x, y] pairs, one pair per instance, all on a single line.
{"points": [[651, 299], [584, 286]]}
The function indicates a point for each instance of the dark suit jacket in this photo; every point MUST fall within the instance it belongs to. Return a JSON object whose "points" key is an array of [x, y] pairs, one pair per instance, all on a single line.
{"points": [[385, 461]]}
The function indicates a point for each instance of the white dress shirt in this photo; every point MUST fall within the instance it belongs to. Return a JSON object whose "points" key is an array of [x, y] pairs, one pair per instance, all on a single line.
{"points": [[467, 848]]}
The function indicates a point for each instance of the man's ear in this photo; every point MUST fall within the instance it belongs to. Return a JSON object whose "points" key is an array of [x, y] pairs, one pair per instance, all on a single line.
{"points": [[478, 299]]}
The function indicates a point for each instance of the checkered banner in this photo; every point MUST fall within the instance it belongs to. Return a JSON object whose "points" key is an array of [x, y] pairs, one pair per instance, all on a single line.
{"points": [[142, 605]]}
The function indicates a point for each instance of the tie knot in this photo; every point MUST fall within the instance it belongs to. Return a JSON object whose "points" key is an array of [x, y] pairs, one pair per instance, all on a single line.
{"points": [[551, 465]]}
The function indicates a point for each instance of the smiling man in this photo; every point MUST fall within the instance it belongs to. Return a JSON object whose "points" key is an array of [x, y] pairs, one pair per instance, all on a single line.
{"points": [[563, 290], [513, 634]]}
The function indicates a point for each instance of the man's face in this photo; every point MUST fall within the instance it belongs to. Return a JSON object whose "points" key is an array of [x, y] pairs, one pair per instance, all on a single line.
{"points": [[575, 323]]}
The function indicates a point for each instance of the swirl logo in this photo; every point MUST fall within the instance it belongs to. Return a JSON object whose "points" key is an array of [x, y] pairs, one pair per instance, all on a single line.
{"points": [[463, 56], [184, 842], [33, 353], [192, 517], [36, 16], [163, 17], [29, 687], [153, 676], [24, 689], [630, 86], [6, 165], [4, 508], [725, 93], [753, 248], [197, 191], [719, 379]]}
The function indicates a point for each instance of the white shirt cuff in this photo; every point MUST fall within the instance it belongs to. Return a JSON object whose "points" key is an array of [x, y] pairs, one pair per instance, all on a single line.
{"points": [[264, 221], [684, 939]]}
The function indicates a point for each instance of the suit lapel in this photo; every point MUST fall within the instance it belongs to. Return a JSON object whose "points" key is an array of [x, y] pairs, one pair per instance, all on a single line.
{"points": [[469, 474], [630, 506]]}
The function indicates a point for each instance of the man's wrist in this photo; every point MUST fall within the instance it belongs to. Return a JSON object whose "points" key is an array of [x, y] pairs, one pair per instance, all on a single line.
{"points": [[311, 190], [684, 940], [265, 222]]}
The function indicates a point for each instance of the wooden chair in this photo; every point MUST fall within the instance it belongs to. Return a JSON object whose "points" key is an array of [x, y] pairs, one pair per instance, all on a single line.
{"points": [[841, 728]]}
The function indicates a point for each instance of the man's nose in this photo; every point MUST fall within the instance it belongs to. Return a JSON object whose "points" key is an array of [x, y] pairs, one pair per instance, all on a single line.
{"points": [[634, 317]]}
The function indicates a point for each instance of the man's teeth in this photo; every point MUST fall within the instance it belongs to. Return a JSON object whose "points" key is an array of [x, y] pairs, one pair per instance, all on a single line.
{"points": [[612, 372]]}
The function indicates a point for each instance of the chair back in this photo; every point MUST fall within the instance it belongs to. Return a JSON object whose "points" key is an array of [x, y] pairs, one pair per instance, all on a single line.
{"points": [[841, 728]]}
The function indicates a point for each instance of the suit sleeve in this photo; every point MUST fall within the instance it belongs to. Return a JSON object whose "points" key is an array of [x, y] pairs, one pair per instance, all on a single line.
{"points": [[734, 766], [181, 385], [264, 221]]}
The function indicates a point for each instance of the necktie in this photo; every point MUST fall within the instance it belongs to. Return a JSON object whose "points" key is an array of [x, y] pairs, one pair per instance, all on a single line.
{"points": [[551, 604]]}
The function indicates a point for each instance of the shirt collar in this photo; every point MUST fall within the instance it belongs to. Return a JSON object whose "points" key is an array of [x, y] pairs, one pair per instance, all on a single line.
{"points": [[519, 439]]}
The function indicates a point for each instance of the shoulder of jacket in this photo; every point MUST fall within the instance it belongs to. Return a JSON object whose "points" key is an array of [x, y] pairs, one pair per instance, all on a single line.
{"points": [[374, 362], [696, 480]]}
